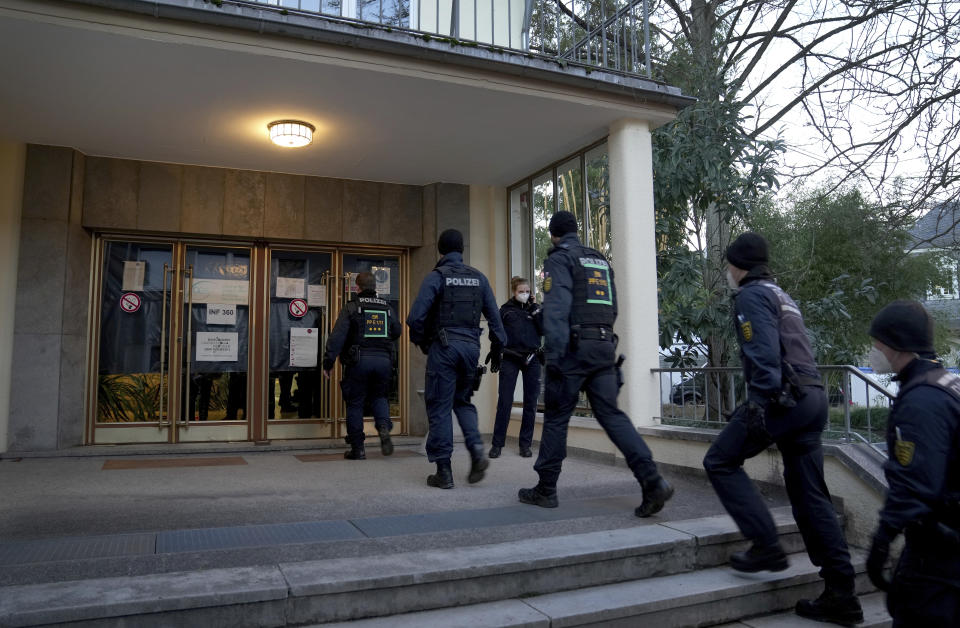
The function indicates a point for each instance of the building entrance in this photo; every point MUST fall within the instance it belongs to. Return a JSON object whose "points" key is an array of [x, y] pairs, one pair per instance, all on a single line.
{"points": [[211, 341]]}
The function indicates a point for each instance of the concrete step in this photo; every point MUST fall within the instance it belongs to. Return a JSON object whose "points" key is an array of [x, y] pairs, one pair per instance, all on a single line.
{"points": [[699, 598], [343, 589]]}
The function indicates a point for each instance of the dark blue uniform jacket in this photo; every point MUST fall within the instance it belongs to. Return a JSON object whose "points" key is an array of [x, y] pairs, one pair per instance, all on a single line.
{"points": [[923, 440], [523, 323], [346, 332], [770, 330], [558, 298], [430, 290]]}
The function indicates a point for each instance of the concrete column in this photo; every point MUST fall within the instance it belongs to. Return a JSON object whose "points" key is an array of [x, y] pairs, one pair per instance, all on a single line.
{"points": [[13, 158], [635, 263], [489, 254]]}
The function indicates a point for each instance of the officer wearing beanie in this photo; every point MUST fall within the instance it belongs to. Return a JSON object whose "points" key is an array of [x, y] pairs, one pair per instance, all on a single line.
{"points": [[923, 473], [786, 405], [579, 309], [444, 322]]}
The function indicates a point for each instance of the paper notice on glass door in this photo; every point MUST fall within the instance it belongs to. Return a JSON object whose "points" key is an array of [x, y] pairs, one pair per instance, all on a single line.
{"points": [[304, 345], [317, 295], [290, 288], [133, 273], [382, 275], [215, 346]]}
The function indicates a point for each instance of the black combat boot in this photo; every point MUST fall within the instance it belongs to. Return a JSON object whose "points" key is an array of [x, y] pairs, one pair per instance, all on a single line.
{"points": [[495, 451], [655, 495], [356, 453], [478, 464], [525, 452], [760, 558], [539, 495], [443, 478], [386, 445], [833, 606]]}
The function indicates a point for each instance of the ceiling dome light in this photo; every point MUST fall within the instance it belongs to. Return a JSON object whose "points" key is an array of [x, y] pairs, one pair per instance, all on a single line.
{"points": [[291, 133]]}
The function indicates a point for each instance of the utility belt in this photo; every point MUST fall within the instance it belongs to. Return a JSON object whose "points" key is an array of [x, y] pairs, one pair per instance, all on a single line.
{"points": [[522, 357], [790, 392], [352, 356], [590, 332]]}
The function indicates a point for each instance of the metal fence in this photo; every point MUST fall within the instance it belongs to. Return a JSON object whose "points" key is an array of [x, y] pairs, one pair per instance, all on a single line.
{"points": [[613, 35], [703, 397]]}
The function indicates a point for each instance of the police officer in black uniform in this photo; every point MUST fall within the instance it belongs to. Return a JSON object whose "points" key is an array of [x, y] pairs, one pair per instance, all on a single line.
{"points": [[579, 309], [923, 473], [445, 323], [363, 337], [523, 321], [787, 406]]}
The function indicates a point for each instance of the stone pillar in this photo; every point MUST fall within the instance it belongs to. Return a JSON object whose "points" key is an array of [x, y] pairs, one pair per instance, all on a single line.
{"points": [[12, 163], [635, 263]]}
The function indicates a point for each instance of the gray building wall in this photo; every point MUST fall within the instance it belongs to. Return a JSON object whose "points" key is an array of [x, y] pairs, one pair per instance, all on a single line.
{"points": [[69, 196]]}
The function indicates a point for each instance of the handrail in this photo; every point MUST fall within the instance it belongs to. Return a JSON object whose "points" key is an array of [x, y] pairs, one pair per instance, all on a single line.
{"points": [[703, 396]]}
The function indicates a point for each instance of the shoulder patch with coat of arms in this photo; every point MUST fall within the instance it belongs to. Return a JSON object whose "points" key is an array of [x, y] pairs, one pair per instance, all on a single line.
{"points": [[547, 283], [747, 329], [903, 450]]}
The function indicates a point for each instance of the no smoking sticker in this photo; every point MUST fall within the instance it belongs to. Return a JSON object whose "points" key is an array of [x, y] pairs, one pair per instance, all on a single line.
{"points": [[130, 302], [298, 307]]}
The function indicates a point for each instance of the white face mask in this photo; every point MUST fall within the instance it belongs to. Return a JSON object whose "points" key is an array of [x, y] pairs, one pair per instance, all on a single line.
{"points": [[523, 297], [731, 281], [879, 362]]}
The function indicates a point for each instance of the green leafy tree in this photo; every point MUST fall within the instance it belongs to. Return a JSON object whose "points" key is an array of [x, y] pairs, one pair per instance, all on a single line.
{"points": [[842, 258]]}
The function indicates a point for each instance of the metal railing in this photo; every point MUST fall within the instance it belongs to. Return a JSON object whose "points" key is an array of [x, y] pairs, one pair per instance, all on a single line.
{"points": [[612, 35], [703, 397]]}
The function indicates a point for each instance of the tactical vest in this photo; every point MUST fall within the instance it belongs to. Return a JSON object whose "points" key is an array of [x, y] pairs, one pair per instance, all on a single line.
{"points": [[370, 319], [794, 344], [461, 297], [592, 287]]}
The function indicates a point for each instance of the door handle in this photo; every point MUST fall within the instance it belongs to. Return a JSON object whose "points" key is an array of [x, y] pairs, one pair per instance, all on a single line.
{"points": [[188, 273], [162, 419]]}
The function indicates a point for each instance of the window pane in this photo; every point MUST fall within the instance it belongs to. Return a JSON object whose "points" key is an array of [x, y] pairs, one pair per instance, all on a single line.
{"points": [[598, 196], [542, 211], [570, 191], [520, 238]]}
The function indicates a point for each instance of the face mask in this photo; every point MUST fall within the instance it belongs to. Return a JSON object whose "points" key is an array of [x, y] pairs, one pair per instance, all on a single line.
{"points": [[522, 297], [879, 362], [731, 281]]}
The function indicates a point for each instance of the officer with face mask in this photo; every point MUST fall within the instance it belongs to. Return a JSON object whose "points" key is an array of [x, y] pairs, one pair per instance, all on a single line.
{"points": [[523, 321], [923, 473], [787, 406], [579, 309], [444, 322], [363, 337]]}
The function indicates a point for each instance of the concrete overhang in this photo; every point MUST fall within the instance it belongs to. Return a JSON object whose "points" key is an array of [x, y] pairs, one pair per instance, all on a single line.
{"points": [[123, 84]]}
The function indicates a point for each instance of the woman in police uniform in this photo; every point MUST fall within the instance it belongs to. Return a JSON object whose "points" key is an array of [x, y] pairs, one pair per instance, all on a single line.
{"points": [[523, 321]]}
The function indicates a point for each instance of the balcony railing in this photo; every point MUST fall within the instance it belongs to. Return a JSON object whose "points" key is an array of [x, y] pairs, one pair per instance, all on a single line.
{"points": [[612, 35]]}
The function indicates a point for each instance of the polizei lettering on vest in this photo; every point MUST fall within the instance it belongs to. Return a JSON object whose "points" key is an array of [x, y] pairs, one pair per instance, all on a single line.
{"points": [[463, 281], [593, 261]]}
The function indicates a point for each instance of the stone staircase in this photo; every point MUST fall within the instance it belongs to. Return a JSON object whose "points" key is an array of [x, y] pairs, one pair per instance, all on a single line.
{"points": [[665, 574]]}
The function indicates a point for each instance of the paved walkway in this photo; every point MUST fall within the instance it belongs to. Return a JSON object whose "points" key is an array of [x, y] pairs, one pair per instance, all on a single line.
{"points": [[76, 517]]}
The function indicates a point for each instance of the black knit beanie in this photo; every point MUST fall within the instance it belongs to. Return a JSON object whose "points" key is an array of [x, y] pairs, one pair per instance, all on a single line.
{"points": [[450, 240], [748, 250], [904, 326], [562, 223]]}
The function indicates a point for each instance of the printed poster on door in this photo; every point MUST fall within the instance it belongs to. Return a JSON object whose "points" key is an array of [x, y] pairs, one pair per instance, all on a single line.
{"points": [[304, 345], [382, 275], [215, 346]]}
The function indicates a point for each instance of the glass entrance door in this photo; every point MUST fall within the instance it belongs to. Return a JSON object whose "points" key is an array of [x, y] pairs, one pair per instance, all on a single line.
{"points": [[172, 338]]}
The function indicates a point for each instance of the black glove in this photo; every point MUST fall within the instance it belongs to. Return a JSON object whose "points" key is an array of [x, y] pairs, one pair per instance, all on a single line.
{"points": [[877, 559], [494, 359]]}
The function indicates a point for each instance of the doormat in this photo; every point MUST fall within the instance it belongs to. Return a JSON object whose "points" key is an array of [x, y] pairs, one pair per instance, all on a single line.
{"points": [[397, 453], [163, 463]]}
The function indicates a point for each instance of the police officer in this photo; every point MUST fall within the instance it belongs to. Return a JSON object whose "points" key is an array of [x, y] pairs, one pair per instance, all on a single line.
{"points": [[445, 323], [363, 337], [579, 309], [787, 406], [923, 473], [523, 321]]}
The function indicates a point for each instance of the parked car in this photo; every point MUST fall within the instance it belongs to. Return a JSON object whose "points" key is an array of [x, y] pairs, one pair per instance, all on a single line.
{"points": [[687, 391]]}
